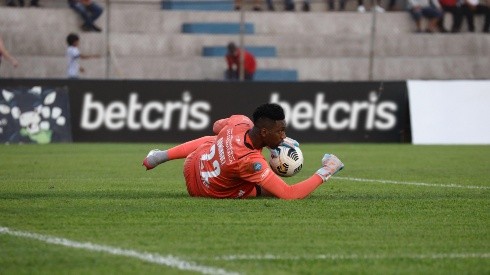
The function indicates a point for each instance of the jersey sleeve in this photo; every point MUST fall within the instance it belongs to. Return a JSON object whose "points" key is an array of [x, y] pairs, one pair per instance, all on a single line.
{"points": [[274, 185]]}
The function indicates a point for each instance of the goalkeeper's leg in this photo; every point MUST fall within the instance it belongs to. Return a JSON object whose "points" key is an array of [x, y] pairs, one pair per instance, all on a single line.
{"points": [[156, 157]]}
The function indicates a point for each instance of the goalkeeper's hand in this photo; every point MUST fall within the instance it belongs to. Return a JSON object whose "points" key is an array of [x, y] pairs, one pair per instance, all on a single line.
{"points": [[287, 142], [331, 165]]}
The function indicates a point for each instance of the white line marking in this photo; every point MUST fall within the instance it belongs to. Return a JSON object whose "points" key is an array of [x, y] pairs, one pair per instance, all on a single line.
{"points": [[355, 257], [169, 260], [414, 183]]}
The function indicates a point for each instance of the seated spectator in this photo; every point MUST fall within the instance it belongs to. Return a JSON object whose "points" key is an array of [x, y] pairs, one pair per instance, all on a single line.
{"points": [[331, 5], [11, 3], [89, 11], [454, 8], [430, 9], [474, 7], [362, 9], [392, 5], [233, 58], [289, 5]]}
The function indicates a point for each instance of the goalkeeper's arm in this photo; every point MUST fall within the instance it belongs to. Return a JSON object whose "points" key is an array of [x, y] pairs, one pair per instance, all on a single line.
{"points": [[275, 186]]}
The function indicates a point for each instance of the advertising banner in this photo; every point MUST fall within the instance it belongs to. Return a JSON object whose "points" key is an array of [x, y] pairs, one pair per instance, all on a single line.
{"points": [[176, 111], [34, 114]]}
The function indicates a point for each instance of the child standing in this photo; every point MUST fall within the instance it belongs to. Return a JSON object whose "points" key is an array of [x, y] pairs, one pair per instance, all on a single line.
{"points": [[73, 54]]}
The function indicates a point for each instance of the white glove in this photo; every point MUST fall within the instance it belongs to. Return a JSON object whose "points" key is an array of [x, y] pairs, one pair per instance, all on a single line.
{"points": [[287, 142], [331, 165]]}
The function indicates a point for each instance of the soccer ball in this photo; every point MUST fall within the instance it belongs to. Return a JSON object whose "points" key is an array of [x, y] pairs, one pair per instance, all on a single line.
{"points": [[288, 161]]}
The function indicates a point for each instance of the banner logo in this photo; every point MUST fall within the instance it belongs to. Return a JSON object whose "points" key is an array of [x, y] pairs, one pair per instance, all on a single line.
{"points": [[34, 115]]}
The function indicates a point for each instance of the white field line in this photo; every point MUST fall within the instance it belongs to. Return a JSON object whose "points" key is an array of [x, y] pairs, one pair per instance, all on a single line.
{"points": [[449, 185], [169, 260], [267, 257]]}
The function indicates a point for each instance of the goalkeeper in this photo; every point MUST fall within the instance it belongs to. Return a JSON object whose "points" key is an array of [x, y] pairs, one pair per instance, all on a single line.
{"points": [[231, 165]]}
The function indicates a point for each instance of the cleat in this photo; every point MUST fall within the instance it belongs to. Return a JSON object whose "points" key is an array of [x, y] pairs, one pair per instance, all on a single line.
{"points": [[151, 161]]}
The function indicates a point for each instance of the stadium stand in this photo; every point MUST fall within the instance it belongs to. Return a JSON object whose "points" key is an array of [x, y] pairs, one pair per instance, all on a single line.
{"points": [[146, 42]]}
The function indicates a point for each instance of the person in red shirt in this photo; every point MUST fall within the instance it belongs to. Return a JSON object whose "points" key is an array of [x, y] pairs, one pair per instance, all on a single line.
{"points": [[233, 58], [231, 165], [453, 7]]}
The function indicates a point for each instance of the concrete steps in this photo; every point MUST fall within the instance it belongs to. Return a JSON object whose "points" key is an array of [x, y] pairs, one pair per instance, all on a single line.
{"points": [[149, 44], [198, 5], [307, 46], [198, 68], [217, 28]]}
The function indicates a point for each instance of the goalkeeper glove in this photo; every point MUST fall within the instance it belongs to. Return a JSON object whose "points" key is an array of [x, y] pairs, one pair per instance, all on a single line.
{"points": [[287, 142], [331, 165]]}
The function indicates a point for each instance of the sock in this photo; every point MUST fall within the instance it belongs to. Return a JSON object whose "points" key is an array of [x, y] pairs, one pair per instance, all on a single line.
{"points": [[160, 156], [184, 149]]}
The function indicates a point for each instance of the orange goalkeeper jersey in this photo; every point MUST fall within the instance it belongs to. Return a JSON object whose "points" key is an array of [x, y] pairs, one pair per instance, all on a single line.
{"points": [[229, 166]]}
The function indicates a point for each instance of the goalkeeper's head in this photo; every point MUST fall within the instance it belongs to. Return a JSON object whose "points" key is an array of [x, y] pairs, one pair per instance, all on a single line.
{"points": [[269, 124]]}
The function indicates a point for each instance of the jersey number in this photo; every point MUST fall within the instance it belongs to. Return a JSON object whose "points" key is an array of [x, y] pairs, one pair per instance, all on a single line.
{"points": [[217, 170]]}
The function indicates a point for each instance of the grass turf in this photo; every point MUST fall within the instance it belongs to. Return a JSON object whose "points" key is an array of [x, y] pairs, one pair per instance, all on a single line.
{"points": [[99, 193]]}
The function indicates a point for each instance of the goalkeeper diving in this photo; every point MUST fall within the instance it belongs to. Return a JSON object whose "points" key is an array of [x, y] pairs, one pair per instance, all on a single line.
{"points": [[230, 164]]}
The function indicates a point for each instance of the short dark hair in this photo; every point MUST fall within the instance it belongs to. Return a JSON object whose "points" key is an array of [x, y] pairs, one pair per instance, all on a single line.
{"points": [[270, 111], [72, 38], [231, 47]]}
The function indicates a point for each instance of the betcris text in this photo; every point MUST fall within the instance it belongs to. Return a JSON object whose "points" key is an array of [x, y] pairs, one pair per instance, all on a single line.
{"points": [[153, 115], [368, 114]]}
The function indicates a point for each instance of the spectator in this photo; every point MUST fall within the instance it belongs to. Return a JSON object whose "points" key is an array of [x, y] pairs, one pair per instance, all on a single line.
{"points": [[11, 3], [4, 53], [289, 5], [472, 7], [392, 5], [73, 54], [233, 58], [453, 7], [89, 11], [430, 9], [362, 9], [331, 5]]}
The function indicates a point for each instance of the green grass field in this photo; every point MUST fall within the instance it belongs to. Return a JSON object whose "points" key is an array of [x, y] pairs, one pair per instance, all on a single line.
{"points": [[395, 209]]}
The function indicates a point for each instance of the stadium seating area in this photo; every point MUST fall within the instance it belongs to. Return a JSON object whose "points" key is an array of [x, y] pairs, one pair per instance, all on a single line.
{"points": [[151, 40]]}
